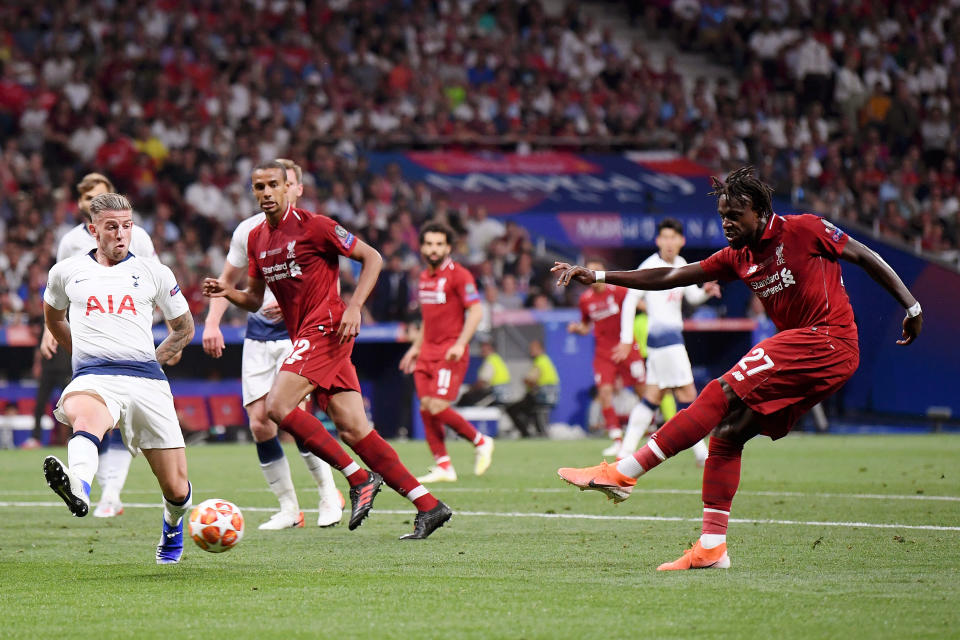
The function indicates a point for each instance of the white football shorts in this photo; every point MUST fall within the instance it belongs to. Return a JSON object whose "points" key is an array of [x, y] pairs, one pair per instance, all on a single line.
{"points": [[669, 367], [262, 360], [141, 408]]}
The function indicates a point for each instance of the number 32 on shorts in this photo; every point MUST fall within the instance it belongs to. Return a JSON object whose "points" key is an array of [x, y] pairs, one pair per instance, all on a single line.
{"points": [[297, 354], [757, 355]]}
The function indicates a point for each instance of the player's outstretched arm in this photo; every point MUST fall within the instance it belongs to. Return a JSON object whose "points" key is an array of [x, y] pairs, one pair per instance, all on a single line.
{"points": [[647, 279], [56, 323], [213, 343], [884, 275], [372, 263], [181, 333], [250, 298]]}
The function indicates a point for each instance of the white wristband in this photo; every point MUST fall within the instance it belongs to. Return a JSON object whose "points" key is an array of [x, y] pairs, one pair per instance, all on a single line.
{"points": [[914, 311], [600, 276]]}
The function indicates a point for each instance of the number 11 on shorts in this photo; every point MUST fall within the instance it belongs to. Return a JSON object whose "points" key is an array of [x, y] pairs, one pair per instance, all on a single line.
{"points": [[444, 376]]}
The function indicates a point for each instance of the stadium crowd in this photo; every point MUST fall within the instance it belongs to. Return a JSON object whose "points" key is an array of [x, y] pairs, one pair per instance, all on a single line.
{"points": [[851, 109]]}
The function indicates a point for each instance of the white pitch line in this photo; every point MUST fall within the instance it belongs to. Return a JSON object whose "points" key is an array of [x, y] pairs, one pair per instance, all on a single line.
{"points": [[687, 492], [569, 516]]}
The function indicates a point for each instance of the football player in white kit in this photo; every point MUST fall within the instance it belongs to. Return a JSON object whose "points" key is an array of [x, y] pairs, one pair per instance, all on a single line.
{"points": [[115, 459], [118, 381], [668, 365], [264, 348]]}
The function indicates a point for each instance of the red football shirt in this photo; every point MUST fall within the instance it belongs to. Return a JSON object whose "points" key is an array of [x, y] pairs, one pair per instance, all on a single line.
{"points": [[794, 272], [603, 309], [444, 295], [299, 260]]}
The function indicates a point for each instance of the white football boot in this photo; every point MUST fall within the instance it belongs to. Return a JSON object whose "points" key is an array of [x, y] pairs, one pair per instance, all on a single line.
{"points": [[331, 510], [283, 520], [483, 456], [438, 474]]}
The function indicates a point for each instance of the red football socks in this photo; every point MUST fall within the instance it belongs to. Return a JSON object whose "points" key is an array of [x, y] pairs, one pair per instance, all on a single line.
{"points": [[721, 477], [433, 432], [314, 436], [610, 419], [381, 457], [459, 424], [686, 428]]}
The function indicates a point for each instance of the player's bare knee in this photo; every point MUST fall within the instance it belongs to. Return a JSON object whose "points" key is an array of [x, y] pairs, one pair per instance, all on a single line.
{"points": [[278, 407], [263, 429]]}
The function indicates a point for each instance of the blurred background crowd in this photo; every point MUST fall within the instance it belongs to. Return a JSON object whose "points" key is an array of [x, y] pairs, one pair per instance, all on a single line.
{"points": [[850, 109]]}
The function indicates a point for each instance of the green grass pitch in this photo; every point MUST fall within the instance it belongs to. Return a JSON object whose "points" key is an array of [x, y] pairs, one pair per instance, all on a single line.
{"points": [[525, 556]]}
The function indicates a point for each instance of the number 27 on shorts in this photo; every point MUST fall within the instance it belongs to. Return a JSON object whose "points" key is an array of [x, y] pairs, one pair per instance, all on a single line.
{"points": [[757, 355]]}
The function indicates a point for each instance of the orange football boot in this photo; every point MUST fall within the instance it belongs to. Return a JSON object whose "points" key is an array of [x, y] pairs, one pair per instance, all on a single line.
{"points": [[603, 477], [699, 558]]}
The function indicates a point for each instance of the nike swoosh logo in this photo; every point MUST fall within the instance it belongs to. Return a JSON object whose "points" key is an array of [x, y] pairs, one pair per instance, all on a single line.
{"points": [[594, 485], [83, 280]]}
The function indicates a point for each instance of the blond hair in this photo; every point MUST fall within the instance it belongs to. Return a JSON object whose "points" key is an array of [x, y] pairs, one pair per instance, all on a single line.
{"points": [[109, 202], [290, 164], [91, 180]]}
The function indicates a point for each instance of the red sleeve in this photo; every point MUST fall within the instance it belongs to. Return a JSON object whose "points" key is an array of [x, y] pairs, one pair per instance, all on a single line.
{"points": [[333, 237], [584, 316], [253, 269], [721, 265], [826, 238], [467, 288]]}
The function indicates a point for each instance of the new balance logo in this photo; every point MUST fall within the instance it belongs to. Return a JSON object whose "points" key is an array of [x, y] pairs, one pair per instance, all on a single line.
{"points": [[786, 276]]}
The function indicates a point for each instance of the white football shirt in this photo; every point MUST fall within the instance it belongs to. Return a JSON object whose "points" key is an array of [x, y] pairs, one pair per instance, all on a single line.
{"points": [[664, 308], [259, 327], [78, 241], [111, 311]]}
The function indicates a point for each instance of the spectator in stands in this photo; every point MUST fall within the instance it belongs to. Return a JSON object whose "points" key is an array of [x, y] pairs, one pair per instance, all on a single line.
{"points": [[531, 413]]}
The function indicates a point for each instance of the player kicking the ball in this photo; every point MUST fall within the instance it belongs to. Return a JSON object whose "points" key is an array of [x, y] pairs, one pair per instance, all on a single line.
{"points": [[440, 353], [117, 377], [265, 346], [297, 253], [791, 263]]}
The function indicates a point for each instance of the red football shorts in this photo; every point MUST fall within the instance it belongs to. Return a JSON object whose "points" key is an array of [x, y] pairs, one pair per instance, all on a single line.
{"points": [[631, 371], [440, 378], [321, 359], [787, 374]]}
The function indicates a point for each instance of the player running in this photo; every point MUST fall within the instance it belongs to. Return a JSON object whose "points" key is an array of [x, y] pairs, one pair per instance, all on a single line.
{"points": [[115, 458], [600, 305], [118, 381], [791, 263], [297, 253], [440, 353], [265, 346], [668, 366]]}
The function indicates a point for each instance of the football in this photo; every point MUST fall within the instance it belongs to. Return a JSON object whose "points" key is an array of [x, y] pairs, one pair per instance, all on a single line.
{"points": [[216, 525]]}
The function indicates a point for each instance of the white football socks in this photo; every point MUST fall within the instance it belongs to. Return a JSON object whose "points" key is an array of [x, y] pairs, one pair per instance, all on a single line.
{"points": [[712, 540], [114, 465], [700, 451], [322, 473], [640, 418], [83, 458], [278, 478], [172, 513]]}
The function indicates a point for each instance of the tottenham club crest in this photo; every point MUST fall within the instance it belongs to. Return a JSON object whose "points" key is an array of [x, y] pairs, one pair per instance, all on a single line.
{"points": [[136, 280]]}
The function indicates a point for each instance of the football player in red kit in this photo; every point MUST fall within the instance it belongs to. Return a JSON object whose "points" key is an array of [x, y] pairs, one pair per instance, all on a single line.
{"points": [[297, 253], [601, 305], [792, 264], [440, 353]]}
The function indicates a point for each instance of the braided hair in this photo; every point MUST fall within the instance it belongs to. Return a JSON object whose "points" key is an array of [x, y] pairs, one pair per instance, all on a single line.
{"points": [[742, 186]]}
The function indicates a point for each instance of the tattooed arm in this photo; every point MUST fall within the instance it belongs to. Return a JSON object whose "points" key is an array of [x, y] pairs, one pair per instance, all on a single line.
{"points": [[181, 333]]}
